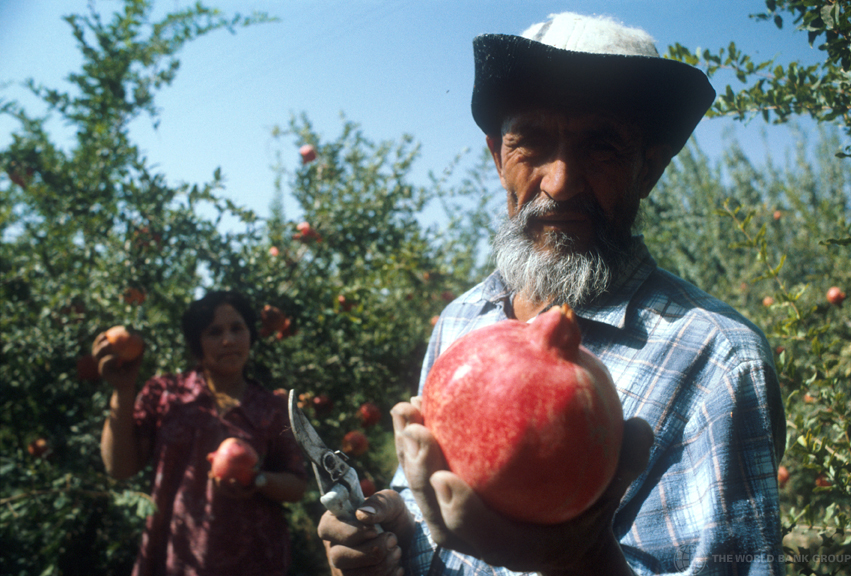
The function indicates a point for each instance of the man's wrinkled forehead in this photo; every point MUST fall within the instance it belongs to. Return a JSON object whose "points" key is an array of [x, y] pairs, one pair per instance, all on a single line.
{"points": [[597, 120]]}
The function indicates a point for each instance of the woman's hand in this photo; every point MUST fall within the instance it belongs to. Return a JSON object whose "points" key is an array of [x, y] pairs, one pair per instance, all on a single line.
{"points": [[277, 486], [459, 519], [234, 489]]}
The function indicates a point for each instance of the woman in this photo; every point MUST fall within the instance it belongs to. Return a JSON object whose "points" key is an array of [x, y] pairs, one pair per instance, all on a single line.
{"points": [[202, 526]]}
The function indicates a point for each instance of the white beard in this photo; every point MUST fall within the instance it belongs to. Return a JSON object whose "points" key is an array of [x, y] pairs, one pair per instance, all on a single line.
{"points": [[557, 273]]}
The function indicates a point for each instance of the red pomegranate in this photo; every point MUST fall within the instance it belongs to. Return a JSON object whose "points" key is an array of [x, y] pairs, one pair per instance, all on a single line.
{"points": [[127, 345], [369, 414], [355, 443], [235, 458], [527, 416], [835, 296]]}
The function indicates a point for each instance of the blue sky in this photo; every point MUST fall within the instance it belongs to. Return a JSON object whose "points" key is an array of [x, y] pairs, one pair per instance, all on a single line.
{"points": [[394, 66]]}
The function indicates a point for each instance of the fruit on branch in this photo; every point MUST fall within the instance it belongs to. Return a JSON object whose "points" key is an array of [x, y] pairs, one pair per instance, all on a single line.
{"points": [[369, 414], [835, 296], [355, 443], [308, 153]]}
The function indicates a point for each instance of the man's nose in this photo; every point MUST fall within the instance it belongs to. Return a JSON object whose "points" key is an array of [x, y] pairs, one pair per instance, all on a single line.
{"points": [[562, 177]]}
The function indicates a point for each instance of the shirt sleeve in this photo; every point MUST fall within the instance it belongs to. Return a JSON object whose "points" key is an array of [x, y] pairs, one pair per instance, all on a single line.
{"points": [[151, 404], [711, 501]]}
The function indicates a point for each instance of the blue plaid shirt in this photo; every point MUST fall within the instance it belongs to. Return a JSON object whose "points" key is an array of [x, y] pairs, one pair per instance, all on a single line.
{"points": [[703, 377]]}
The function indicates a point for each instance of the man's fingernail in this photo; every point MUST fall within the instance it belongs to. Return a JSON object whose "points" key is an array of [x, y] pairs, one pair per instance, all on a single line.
{"points": [[367, 510], [391, 542]]}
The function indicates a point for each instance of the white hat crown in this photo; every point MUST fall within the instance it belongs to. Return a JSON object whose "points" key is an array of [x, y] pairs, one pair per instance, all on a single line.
{"points": [[591, 34]]}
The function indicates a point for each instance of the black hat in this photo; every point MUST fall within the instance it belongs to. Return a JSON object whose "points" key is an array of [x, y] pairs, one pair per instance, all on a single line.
{"points": [[573, 61]]}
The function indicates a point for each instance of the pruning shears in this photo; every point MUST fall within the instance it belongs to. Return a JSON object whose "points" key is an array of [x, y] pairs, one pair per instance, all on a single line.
{"points": [[338, 482]]}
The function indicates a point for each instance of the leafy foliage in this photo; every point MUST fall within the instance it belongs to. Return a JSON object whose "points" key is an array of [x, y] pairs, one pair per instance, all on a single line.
{"points": [[92, 236], [778, 91]]}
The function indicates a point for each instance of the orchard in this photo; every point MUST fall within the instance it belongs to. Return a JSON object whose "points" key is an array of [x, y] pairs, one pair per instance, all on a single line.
{"points": [[95, 237]]}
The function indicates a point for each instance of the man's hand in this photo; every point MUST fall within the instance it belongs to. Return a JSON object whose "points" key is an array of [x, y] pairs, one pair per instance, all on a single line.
{"points": [[355, 548], [459, 520]]}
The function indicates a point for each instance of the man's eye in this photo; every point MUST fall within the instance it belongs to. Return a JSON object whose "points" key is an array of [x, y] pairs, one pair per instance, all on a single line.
{"points": [[213, 332], [603, 148]]}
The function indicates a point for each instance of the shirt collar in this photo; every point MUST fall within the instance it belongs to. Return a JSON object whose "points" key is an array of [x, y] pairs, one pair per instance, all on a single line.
{"points": [[251, 406], [611, 307]]}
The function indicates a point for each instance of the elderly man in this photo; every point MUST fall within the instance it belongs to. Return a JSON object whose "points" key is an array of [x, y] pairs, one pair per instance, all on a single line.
{"points": [[582, 117]]}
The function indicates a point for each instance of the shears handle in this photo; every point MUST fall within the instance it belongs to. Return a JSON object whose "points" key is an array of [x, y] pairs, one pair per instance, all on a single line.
{"points": [[342, 501]]}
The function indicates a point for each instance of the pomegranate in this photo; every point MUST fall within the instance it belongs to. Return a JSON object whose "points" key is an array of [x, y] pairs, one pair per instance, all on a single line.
{"points": [[235, 459], [308, 154], [127, 346], [367, 486], [835, 296], [528, 417], [822, 481], [272, 320], [782, 476], [355, 443], [38, 447], [322, 404], [369, 414], [134, 296]]}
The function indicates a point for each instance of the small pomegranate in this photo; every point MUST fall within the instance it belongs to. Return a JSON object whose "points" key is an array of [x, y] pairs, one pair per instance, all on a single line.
{"points": [[527, 416], [38, 448], [782, 476], [369, 414], [767, 301], [367, 486], [835, 296], [306, 232], [355, 443], [272, 321], [134, 296], [822, 481], [128, 346], [235, 458], [322, 404], [308, 154]]}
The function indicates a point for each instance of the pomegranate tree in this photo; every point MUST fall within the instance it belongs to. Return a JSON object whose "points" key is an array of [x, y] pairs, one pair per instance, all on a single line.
{"points": [[234, 459], [527, 416]]}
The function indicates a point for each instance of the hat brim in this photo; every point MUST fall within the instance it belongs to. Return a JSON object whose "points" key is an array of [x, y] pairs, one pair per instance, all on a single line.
{"points": [[667, 98]]}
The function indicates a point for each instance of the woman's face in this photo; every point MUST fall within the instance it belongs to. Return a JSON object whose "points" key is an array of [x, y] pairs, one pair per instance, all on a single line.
{"points": [[225, 343]]}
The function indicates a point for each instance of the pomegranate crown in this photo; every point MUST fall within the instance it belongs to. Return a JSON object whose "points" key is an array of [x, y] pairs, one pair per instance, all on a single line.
{"points": [[557, 328]]}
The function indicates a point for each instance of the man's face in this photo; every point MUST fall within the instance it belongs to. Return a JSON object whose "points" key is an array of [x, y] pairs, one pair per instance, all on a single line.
{"points": [[574, 185]]}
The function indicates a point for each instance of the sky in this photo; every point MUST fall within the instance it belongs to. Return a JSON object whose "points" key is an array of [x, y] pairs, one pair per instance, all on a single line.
{"points": [[393, 66]]}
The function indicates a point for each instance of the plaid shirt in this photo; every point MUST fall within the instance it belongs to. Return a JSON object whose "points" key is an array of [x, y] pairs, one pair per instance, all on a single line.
{"points": [[703, 377]]}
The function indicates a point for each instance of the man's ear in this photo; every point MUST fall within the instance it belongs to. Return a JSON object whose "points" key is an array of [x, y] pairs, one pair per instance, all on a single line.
{"points": [[495, 146], [656, 159]]}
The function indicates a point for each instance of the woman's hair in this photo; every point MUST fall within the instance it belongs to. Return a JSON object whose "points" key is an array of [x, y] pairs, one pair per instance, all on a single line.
{"points": [[201, 312]]}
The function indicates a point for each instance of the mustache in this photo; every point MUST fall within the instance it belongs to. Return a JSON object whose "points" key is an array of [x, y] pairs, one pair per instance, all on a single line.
{"points": [[584, 204]]}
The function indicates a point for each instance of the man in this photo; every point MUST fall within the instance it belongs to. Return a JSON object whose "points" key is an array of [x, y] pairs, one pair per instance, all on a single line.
{"points": [[581, 117]]}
